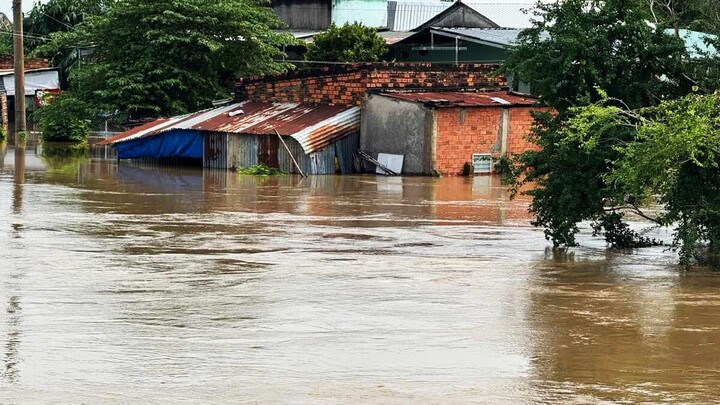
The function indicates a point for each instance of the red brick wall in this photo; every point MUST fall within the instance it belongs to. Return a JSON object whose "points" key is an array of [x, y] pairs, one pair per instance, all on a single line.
{"points": [[520, 126], [6, 63], [458, 139], [346, 85]]}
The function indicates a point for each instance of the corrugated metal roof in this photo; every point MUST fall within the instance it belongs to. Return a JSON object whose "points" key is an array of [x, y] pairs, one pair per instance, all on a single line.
{"points": [[507, 15], [392, 37], [442, 99], [314, 127], [408, 15], [501, 36]]}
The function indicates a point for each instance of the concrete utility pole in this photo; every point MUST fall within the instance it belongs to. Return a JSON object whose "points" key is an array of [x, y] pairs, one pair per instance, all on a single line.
{"points": [[20, 123]]}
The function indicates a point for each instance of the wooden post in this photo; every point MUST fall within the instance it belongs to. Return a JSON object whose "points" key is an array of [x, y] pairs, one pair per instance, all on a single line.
{"points": [[19, 55]]}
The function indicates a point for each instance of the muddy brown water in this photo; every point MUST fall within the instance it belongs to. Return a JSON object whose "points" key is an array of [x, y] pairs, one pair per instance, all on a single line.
{"points": [[120, 284]]}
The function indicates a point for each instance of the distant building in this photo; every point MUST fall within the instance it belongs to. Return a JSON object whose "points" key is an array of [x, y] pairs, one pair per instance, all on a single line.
{"points": [[320, 14], [455, 45], [39, 79], [404, 15]]}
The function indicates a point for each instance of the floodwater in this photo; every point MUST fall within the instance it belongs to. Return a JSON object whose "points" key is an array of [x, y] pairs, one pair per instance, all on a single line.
{"points": [[127, 285]]}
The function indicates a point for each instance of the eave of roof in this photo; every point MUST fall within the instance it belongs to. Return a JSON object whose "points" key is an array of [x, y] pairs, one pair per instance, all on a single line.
{"points": [[464, 99]]}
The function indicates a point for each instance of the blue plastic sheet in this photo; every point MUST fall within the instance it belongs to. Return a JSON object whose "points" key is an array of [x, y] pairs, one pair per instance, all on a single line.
{"points": [[172, 144]]}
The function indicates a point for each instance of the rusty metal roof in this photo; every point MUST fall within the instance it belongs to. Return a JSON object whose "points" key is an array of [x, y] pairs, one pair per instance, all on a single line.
{"points": [[449, 99], [313, 126]]}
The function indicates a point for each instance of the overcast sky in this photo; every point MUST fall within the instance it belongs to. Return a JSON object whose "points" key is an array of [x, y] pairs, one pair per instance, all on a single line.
{"points": [[6, 6]]}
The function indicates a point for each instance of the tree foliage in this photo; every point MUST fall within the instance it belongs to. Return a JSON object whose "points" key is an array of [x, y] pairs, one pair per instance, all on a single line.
{"points": [[674, 157], [167, 57], [66, 119], [59, 16], [584, 51], [349, 43], [699, 15]]}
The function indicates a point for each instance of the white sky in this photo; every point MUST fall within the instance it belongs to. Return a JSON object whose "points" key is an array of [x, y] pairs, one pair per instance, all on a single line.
{"points": [[6, 6]]}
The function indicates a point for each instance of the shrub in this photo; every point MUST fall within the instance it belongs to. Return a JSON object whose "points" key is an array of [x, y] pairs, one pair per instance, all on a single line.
{"points": [[66, 119], [349, 43], [261, 170]]}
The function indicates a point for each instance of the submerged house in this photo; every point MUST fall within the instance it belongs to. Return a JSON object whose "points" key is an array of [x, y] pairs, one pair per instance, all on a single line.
{"points": [[322, 139], [37, 83], [439, 132]]}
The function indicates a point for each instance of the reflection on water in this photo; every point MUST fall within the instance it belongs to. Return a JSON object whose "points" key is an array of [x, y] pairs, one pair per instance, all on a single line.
{"points": [[124, 284]]}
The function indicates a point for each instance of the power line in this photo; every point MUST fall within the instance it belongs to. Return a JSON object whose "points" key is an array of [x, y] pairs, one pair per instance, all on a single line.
{"points": [[31, 36], [58, 21]]}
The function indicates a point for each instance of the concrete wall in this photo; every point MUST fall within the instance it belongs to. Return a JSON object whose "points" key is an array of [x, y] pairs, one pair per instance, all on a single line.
{"points": [[398, 127]]}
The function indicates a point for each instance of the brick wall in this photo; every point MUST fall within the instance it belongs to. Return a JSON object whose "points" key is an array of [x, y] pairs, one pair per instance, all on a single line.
{"points": [[464, 131], [347, 84], [521, 122], [6, 63]]}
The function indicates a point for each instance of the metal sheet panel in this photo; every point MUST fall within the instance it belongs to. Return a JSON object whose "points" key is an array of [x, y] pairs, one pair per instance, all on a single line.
{"points": [[314, 127], [286, 163], [345, 150], [242, 151], [323, 161], [326, 132], [215, 151], [406, 15]]}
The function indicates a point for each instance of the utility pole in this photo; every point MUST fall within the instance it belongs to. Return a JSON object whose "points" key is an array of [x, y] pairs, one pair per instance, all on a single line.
{"points": [[20, 122]]}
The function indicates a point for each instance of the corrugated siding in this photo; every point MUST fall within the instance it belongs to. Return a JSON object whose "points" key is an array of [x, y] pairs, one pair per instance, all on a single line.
{"points": [[215, 151], [286, 163], [406, 16], [242, 151], [345, 149], [323, 161]]}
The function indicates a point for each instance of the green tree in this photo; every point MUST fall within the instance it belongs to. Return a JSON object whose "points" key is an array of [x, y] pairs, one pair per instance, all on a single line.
{"points": [[580, 47], [349, 43], [700, 15], [673, 160], [59, 16], [66, 119], [167, 57]]}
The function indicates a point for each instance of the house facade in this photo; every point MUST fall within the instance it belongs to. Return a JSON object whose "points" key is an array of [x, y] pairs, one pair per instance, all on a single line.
{"points": [[320, 14], [439, 132]]}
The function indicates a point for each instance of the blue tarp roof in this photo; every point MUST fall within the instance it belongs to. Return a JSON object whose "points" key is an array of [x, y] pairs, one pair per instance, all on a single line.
{"points": [[181, 143]]}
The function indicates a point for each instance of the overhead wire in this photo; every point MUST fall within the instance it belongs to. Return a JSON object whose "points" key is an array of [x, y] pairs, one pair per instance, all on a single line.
{"points": [[31, 36]]}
